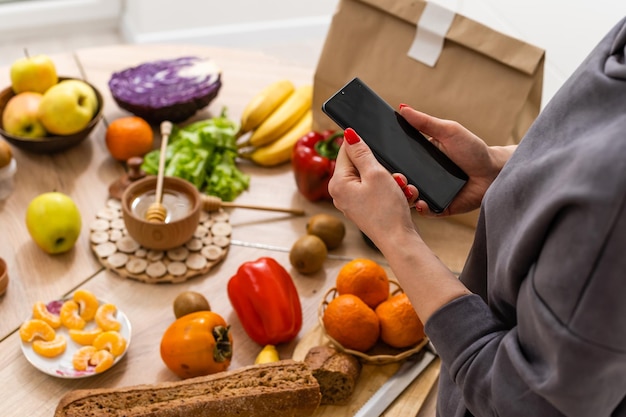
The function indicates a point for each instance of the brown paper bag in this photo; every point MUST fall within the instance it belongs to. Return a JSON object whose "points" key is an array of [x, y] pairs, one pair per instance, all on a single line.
{"points": [[489, 82]]}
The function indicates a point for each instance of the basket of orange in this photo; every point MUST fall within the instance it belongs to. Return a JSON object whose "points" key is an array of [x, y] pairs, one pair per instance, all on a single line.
{"points": [[369, 316]]}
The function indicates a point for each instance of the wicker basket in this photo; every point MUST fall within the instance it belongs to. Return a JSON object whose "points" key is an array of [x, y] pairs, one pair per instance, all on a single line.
{"points": [[381, 353]]}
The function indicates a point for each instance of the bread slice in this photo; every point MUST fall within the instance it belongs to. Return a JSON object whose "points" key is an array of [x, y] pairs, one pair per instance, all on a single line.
{"points": [[336, 372], [284, 388]]}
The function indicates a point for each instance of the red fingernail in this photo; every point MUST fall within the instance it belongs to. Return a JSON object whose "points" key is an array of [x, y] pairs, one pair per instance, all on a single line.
{"points": [[418, 208], [350, 136], [407, 192], [400, 182], [402, 105]]}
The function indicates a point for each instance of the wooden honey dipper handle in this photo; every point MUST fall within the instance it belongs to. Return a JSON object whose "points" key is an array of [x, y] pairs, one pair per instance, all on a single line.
{"points": [[157, 213], [213, 203]]}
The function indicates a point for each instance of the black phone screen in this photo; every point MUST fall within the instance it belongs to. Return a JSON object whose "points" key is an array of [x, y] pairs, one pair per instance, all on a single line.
{"points": [[397, 145]]}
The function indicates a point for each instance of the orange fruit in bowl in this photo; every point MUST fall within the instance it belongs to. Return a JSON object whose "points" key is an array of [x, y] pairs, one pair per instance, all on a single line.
{"points": [[129, 136], [364, 278], [351, 322], [400, 326]]}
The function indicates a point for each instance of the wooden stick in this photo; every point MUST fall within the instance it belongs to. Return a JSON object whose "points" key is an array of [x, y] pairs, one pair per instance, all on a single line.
{"points": [[213, 203], [157, 211]]}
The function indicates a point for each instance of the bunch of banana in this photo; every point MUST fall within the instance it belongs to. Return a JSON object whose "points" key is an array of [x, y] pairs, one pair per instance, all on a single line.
{"points": [[274, 120]]}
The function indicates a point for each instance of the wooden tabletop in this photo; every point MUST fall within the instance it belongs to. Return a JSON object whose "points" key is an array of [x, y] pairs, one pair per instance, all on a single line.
{"points": [[85, 172]]}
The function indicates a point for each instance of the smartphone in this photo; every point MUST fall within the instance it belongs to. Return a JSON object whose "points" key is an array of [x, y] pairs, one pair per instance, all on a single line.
{"points": [[397, 145]]}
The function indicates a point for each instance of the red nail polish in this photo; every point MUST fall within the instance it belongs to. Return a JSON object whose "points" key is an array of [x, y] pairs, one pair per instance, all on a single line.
{"points": [[402, 105], [350, 136], [407, 192], [400, 182]]}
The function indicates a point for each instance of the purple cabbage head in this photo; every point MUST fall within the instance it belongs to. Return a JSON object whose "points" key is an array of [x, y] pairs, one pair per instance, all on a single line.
{"points": [[169, 89]]}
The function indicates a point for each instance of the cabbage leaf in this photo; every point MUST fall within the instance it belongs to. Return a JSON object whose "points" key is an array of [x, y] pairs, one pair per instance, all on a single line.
{"points": [[203, 153]]}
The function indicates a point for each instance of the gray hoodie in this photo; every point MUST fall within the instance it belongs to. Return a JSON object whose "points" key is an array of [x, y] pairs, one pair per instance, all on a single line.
{"points": [[545, 332]]}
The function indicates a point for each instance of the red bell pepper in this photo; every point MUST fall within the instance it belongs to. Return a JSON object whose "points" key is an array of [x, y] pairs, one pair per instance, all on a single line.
{"points": [[266, 301], [313, 161]]}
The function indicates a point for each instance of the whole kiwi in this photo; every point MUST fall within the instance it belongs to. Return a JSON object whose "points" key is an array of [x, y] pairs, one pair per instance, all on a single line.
{"points": [[308, 253], [188, 302], [328, 228]]}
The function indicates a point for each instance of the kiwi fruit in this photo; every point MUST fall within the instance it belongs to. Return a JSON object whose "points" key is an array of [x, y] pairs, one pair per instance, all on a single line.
{"points": [[308, 253], [188, 302], [328, 228]]}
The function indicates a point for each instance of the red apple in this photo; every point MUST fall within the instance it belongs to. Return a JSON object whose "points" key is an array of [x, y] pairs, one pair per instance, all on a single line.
{"points": [[20, 116]]}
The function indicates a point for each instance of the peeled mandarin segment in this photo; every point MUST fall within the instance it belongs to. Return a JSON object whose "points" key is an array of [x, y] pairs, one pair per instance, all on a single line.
{"points": [[87, 303], [105, 317], [40, 311], [102, 360], [70, 317], [111, 341], [52, 348], [80, 359], [84, 337], [36, 329]]}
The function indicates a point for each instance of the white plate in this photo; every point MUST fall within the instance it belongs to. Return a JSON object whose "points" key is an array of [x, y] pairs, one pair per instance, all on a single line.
{"points": [[61, 366]]}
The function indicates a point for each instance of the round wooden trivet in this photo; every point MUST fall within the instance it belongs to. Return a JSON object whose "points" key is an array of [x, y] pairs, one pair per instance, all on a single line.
{"points": [[120, 253]]}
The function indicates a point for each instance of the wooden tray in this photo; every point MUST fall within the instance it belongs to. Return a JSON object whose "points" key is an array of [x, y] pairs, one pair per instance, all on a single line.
{"points": [[120, 253], [372, 377]]}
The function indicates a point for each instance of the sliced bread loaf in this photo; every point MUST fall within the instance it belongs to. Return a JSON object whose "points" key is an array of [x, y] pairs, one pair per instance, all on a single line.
{"points": [[337, 373], [285, 388]]}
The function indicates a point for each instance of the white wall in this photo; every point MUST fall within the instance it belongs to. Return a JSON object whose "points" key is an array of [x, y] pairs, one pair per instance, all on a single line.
{"points": [[243, 23], [567, 30], [21, 19]]}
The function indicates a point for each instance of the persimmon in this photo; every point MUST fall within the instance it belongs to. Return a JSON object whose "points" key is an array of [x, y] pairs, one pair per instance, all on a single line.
{"points": [[197, 344], [364, 278], [400, 325]]}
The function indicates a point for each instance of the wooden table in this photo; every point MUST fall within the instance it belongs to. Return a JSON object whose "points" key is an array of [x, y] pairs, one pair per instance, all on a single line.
{"points": [[85, 172]]}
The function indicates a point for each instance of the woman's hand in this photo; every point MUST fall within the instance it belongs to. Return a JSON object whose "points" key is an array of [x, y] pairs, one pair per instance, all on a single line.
{"points": [[376, 202], [479, 161], [367, 194]]}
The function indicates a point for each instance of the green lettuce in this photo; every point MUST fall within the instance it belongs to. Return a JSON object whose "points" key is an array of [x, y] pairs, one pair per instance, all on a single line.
{"points": [[203, 153]]}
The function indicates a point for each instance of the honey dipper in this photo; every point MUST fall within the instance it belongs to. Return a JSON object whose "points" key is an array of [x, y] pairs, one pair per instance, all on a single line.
{"points": [[157, 212], [213, 203]]}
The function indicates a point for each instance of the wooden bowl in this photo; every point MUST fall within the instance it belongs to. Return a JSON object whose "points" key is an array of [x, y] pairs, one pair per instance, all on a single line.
{"points": [[381, 353], [173, 232], [50, 144]]}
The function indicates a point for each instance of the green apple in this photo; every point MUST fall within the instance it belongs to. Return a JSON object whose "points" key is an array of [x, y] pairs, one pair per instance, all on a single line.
{"points": [[21, 116], [37, 73], [53, 221], [68, 107]]}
